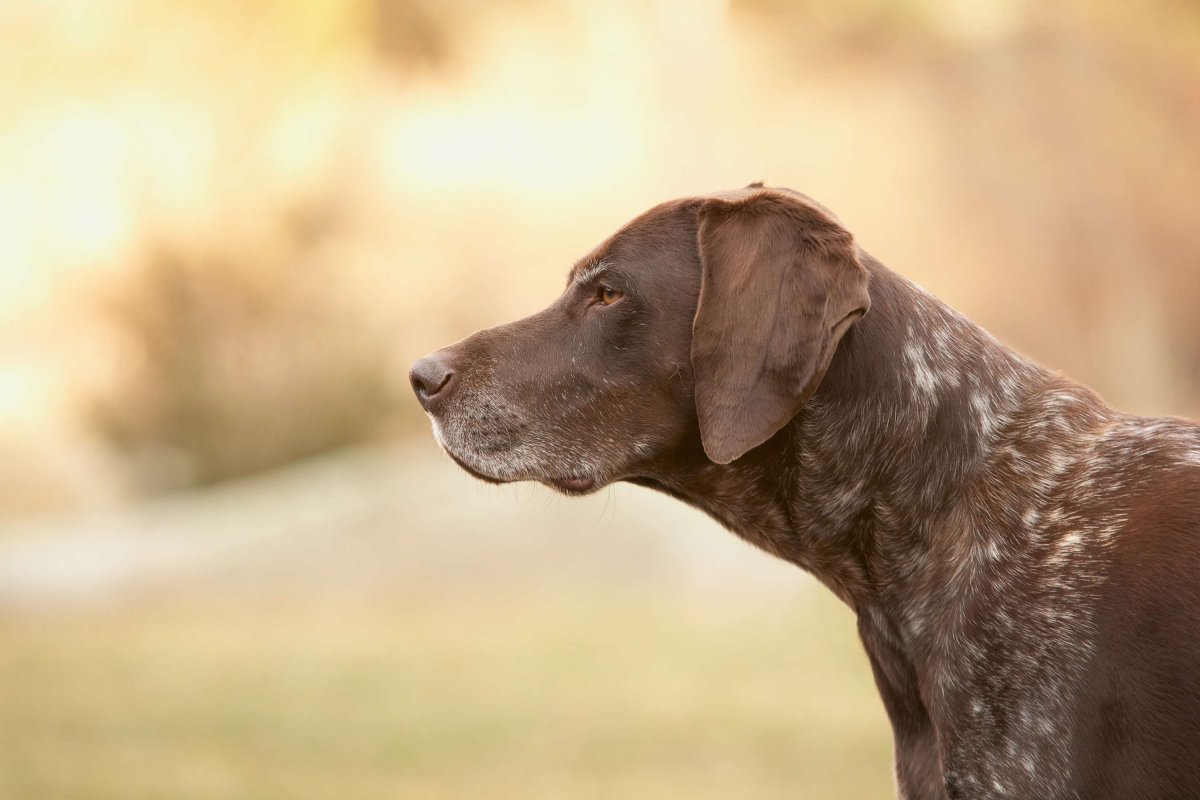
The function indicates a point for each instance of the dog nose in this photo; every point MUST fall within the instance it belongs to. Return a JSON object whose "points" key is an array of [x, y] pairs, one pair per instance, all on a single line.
{"points": [[430, 378]]}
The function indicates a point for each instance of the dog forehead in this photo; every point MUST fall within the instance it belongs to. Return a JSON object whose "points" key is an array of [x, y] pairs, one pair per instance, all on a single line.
{"points": [[667, 228]]}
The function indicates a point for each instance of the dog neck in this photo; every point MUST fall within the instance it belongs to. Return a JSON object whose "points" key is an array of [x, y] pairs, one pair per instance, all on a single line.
{"points": [[875, 486], [907, 413]]}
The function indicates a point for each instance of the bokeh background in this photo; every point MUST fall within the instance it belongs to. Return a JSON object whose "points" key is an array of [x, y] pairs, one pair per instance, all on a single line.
{"points": [[233, 563]]}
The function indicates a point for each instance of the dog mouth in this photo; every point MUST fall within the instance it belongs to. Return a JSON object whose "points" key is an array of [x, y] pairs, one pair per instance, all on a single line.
{"points": [[570, 484], [478, 459]]}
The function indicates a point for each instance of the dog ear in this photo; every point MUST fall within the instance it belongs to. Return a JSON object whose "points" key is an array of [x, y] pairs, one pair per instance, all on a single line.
{"points": [[781, 283]]}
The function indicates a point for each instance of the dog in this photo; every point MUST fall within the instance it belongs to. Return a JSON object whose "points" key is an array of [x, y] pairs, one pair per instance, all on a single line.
{"points": [[1023, 560]]}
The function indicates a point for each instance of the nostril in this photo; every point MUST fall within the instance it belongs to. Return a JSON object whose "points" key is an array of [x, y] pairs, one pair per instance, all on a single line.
{"points": [[441, 384], [429, 376]]}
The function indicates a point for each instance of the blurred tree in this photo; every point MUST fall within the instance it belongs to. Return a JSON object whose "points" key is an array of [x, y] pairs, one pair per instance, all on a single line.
{"points": [[411, 33], [239, 361]]}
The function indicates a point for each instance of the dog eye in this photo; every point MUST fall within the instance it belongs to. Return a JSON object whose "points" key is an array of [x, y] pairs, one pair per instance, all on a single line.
{"points": [[608, 295]]}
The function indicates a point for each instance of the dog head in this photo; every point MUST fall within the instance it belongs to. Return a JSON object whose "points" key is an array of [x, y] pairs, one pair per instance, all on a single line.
{"points": [[702, 326]]}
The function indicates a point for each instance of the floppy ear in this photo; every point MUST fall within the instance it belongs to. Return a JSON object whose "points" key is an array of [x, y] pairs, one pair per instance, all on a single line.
{"points": [[781, 283]]}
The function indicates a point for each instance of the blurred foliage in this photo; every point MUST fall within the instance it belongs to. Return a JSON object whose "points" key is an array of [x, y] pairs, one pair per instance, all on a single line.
{"points": [[239, 360], [410, 33]]}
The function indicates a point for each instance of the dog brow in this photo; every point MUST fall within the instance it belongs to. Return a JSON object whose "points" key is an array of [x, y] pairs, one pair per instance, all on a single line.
{"points": [[589, 273]]}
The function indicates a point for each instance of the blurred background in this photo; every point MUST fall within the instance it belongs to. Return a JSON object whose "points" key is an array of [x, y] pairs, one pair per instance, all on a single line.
{"points": [[233, 563]]}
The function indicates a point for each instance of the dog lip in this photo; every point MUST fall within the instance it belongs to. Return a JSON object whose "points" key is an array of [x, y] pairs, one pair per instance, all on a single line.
{"points": [[574, 485], [472, 471], [569, 484]]}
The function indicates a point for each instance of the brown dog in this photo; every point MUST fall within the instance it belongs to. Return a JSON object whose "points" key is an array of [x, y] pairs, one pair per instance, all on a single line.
{"points": [[1024, 561]]}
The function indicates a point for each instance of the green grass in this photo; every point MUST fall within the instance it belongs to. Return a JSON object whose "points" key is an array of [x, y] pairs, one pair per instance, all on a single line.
{"points": [[605, 695]]}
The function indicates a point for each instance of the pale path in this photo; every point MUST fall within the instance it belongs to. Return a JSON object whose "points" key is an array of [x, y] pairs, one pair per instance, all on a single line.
{"points": [[382, 519]]}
